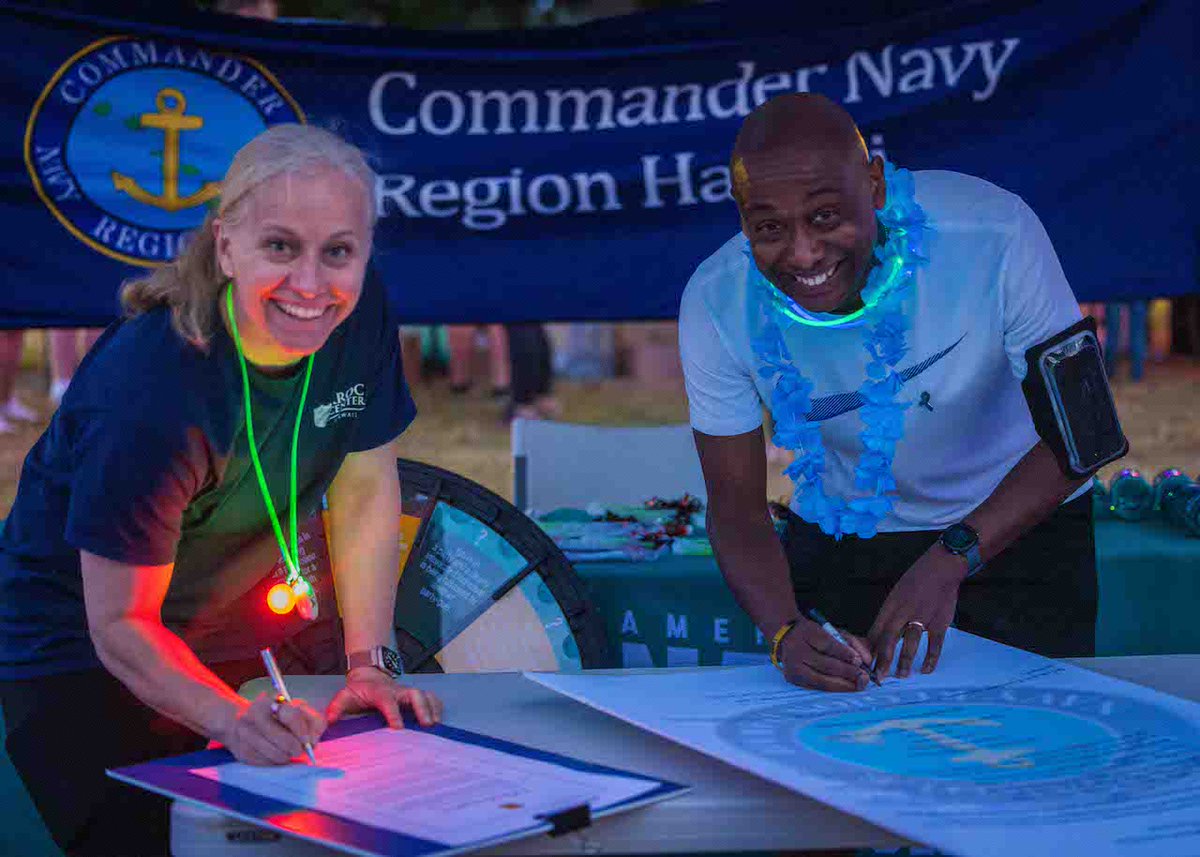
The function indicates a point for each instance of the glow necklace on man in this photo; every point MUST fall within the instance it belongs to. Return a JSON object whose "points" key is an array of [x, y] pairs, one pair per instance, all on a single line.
{"points": [[882, 281], [296, 591]]}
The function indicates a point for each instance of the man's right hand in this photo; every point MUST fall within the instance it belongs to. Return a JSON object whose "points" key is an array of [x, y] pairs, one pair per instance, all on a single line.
{"points": [[756, 569], [811, 658], [257, 737]]}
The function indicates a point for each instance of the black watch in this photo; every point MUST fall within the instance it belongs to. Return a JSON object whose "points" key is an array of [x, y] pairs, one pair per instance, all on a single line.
{"points": [[380, 657], [962, 539]]}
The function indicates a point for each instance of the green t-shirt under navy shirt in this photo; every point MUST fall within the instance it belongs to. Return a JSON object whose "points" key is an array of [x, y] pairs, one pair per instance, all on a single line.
{"points": [[146, 462]]}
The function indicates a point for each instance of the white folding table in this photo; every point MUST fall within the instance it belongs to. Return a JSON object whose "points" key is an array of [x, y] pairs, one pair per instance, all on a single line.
{"points": [[727, 809]]}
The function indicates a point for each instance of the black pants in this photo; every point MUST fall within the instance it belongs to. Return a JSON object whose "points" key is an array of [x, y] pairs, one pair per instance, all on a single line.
{"points": [[64, 730], [1039, 595], [529, 354]]}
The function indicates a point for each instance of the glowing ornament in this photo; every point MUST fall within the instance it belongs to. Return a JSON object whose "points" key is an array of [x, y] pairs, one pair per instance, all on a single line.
{"points": [[306, 599], [281, 599], [1130, 496]]}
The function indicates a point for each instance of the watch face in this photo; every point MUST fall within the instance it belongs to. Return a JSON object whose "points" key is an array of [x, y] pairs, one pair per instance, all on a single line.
{"points": [[391, 661], [959, 538]]}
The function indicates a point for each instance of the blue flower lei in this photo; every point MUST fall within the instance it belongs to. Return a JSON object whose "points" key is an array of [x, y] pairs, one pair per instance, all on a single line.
{"points": [[884, 338]]}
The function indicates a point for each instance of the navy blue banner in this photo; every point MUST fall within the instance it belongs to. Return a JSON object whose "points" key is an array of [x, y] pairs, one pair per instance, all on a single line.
{"points": [[581, 173]]}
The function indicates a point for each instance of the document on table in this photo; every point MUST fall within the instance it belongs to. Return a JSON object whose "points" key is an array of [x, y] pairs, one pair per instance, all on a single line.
{"points": [[429, 787], [998, 752]]}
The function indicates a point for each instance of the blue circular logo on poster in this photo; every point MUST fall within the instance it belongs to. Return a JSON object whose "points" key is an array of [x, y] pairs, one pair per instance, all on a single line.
{"points": [[972, 742], [129, 140], [1004, 752]]}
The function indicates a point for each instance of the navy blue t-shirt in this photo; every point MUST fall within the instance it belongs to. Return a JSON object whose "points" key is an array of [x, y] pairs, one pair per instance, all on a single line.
{"points": [[146, 462]]}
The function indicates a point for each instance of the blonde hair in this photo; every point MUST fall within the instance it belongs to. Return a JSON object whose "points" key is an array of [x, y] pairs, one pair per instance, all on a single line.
{"points": [[191, 283]]}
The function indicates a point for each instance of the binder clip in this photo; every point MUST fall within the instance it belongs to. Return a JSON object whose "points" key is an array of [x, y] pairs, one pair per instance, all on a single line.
{"points": [[568, 820]]}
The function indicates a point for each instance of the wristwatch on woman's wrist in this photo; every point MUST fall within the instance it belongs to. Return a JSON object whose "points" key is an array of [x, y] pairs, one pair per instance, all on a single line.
{"points": [[380, 657]]}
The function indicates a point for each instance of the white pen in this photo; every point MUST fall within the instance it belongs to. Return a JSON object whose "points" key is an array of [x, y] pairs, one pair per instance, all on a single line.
{"points": [[281, 689]]}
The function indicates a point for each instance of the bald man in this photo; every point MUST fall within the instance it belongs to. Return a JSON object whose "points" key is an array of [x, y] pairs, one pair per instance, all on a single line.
{"points": [[983, 529]]}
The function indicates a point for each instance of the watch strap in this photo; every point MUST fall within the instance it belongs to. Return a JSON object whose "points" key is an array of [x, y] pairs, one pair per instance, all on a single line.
{"points": [[974, 559]]}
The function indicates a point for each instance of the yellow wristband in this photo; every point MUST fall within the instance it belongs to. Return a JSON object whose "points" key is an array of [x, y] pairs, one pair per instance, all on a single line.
{"points": [[777, 641]]}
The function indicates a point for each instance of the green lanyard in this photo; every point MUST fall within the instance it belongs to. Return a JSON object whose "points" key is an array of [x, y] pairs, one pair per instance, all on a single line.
{"points": [[290, 558]]}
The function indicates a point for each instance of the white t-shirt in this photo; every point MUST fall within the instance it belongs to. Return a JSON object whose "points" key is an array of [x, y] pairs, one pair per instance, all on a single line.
{"points": [[992, 289]]}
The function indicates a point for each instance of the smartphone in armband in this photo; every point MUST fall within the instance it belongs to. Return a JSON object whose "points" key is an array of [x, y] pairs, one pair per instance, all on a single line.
{"points": [[1066, 388]]}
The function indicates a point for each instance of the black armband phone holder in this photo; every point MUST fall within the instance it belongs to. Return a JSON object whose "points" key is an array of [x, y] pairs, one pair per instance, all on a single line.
{"points": [[1066, 387]]}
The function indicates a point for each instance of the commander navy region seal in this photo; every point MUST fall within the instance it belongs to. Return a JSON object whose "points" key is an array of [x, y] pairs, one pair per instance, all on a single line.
{"points": [[128, 142]]}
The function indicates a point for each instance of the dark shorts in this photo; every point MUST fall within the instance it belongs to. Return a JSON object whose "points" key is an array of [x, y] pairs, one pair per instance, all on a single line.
{"points": [[64, 730], [1039, 595]]}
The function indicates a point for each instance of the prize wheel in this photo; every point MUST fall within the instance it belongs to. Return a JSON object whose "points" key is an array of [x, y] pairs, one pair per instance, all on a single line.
{"points": [[482, 588]]}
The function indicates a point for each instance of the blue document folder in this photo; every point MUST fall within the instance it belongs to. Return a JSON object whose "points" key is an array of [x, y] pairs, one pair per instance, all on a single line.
{"points": [[173, 778]]}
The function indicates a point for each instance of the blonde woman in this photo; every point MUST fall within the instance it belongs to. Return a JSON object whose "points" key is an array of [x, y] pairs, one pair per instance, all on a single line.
{"points": [[253, 376]]}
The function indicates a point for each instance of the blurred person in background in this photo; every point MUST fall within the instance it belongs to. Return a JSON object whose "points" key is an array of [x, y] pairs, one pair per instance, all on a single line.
{"points": [[532, 373], [12, 409], [463, 339], [67, 347]]}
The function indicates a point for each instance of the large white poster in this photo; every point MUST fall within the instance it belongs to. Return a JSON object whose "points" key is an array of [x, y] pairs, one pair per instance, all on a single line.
{"points": [[999, 752]]}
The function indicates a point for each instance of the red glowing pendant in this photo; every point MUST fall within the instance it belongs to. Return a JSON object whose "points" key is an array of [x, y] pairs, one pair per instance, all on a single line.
{"points": [[283, 598]]}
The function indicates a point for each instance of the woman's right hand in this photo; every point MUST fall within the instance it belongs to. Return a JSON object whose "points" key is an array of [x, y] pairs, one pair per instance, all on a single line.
{"points": [[257, 736]]}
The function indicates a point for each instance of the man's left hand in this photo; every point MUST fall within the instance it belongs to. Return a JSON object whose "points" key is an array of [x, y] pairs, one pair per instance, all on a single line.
{"points": [[925, 597], [370, 689]]}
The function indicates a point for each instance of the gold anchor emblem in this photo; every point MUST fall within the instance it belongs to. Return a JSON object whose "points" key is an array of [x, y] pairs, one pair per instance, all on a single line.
{"points": [[1011, 759], [170, 119]]}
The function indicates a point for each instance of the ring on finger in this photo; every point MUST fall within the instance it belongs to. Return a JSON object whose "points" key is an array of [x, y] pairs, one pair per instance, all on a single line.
{"points": [[913, 623]]}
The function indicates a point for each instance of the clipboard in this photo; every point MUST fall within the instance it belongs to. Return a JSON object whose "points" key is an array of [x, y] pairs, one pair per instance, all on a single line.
{"points": [[172, 778]]}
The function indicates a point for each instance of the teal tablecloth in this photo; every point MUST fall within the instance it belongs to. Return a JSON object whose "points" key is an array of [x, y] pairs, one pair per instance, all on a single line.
{"points": [[1149, 589], [677, 611]]}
